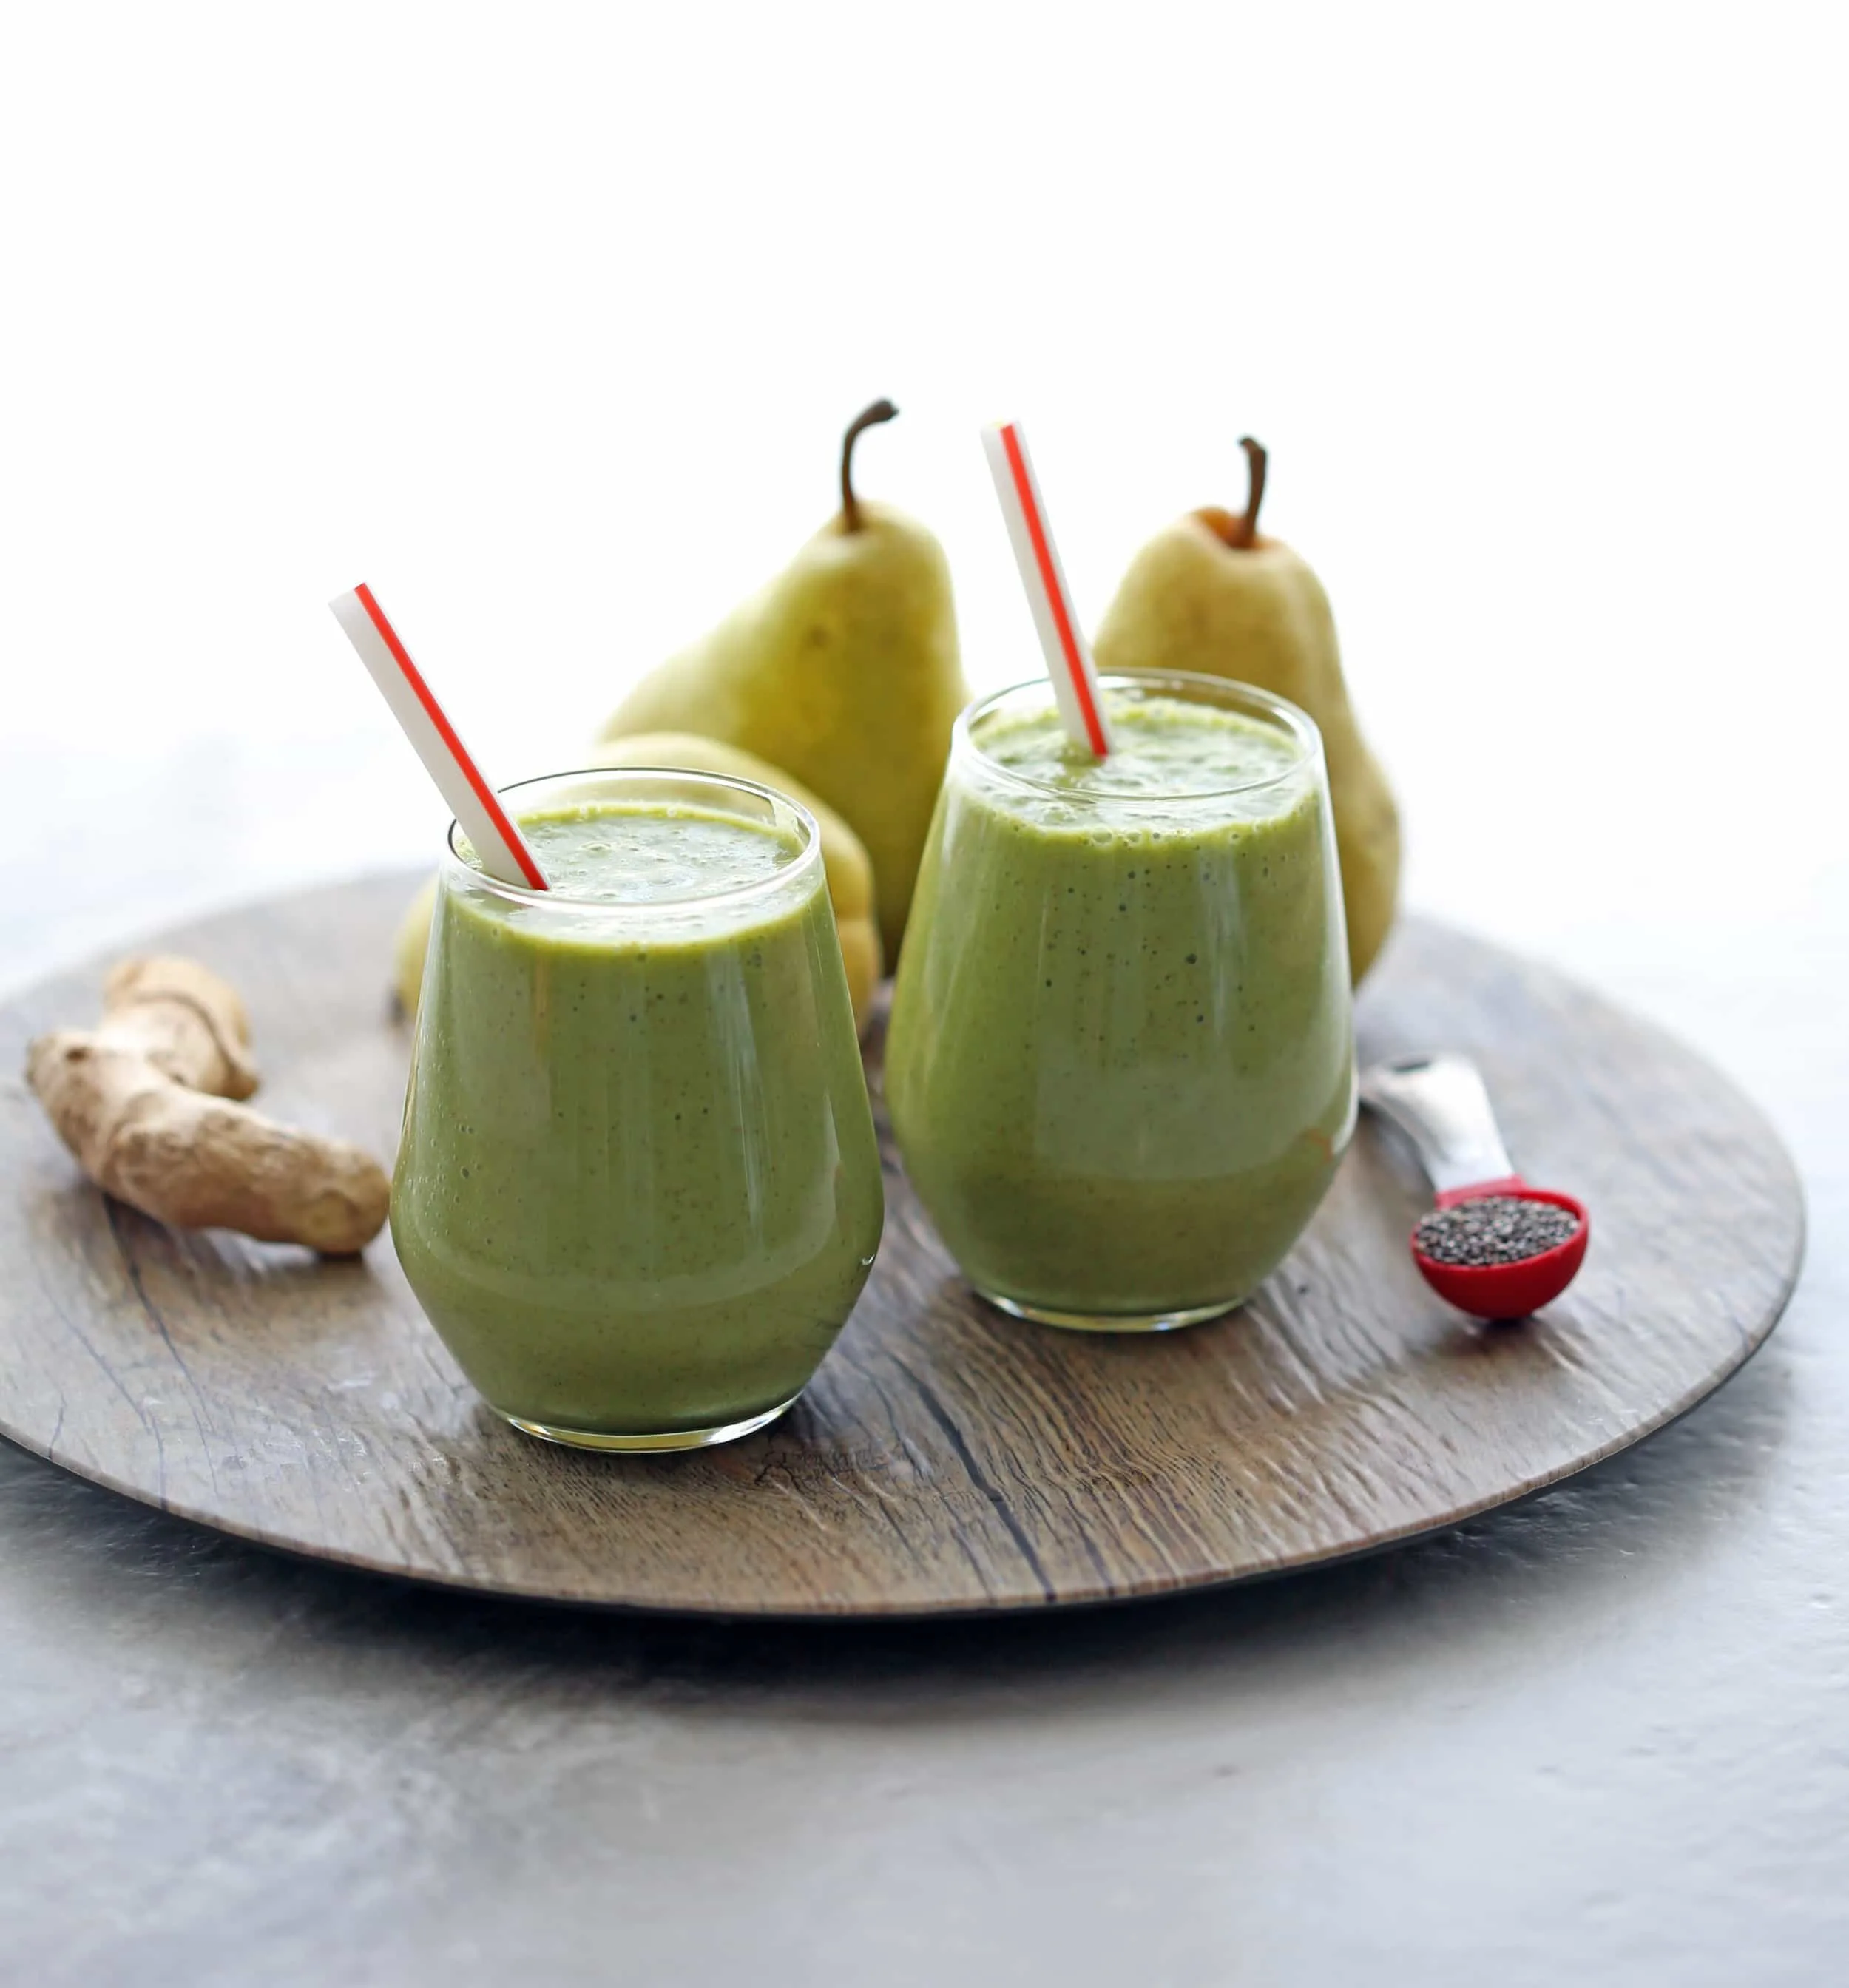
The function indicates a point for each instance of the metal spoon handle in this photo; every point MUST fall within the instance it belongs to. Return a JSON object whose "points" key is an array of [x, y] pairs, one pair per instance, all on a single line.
{"points": [[1440, 1103]]}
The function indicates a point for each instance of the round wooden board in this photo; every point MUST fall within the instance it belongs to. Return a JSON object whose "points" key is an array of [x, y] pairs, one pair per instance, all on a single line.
{"points": [[946, 1458]]}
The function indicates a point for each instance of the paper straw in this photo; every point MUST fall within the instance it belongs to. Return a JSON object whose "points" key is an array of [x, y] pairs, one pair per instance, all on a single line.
{"points": [[500, 846], [1075, 678]]}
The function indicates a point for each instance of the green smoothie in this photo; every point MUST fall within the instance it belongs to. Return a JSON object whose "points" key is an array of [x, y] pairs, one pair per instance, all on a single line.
{"points": [[1120, 1063], [638, 1191]]}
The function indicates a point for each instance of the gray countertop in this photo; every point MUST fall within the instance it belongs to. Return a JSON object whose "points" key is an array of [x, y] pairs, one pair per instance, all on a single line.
{"points": [[1599, 1738]]}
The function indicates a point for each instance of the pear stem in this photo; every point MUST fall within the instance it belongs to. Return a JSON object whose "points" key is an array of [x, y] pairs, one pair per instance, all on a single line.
{"points": [[868, 417], [1246, 531]]}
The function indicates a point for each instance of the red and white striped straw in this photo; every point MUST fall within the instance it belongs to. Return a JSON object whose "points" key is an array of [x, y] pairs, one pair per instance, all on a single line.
{"points": [[501, 846], [1075, 678]]}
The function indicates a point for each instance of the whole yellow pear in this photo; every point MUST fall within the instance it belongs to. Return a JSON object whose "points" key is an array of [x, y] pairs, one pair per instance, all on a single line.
{"points": [[1209, 593], [844, 671], [850, 882]]}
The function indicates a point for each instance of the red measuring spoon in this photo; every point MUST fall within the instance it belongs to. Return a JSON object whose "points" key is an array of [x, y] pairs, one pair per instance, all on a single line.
{"points": [[1439, 1103]]}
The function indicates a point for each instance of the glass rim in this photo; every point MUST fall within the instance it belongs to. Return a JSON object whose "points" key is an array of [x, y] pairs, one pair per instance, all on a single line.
{"points": [[808, 857], [1292, 719]]}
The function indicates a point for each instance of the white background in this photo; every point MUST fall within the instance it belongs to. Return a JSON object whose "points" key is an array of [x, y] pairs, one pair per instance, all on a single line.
{"points": [[545, 321]]}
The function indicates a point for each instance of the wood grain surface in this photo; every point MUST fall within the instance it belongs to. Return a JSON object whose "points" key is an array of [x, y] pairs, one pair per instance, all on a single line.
{"points": [[946, 1458]]}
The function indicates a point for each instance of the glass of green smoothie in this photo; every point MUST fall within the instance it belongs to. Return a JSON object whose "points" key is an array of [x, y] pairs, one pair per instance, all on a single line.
{"points": [[1120, 1059], [638, 1190]]}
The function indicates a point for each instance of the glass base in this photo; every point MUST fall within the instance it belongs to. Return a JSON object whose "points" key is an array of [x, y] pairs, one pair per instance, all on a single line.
{"points": [[1082, 1321], [661, 1440]]}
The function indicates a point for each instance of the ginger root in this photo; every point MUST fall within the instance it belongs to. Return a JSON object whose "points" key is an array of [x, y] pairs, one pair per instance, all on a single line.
{"points": [[146, 1103]]}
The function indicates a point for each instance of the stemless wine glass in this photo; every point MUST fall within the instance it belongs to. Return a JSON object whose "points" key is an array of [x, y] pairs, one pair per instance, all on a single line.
{"points": [[638, 1191], [1121, 1061]]}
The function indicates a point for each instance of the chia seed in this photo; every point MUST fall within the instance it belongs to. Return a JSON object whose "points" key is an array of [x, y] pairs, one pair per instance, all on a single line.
{"points": [[1494, 1229]]}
